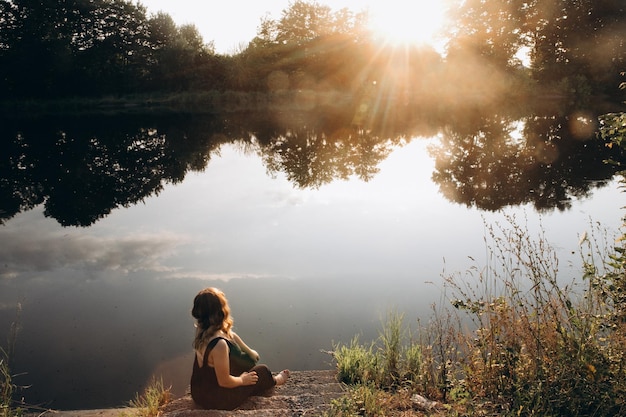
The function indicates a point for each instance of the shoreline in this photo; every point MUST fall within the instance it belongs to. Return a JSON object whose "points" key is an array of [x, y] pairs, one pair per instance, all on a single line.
{"points": [[101, 412], [306, 392]]}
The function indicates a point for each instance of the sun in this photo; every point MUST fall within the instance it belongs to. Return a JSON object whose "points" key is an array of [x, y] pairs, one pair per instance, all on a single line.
{"points": [[408, 22]]}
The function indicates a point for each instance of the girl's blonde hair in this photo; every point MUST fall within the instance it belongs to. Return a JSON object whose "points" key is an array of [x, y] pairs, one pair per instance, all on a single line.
{"points": [[212, 314]]}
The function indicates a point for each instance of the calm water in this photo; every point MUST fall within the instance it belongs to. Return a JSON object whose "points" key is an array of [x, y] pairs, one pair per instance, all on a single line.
{"points": [[106, 250]]}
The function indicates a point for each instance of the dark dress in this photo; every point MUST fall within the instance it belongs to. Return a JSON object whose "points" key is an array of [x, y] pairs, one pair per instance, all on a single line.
{"points": [[207, 393]]}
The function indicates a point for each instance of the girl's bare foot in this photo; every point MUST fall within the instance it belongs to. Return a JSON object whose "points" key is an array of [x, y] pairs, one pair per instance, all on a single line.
{"points": [[282, 377]]}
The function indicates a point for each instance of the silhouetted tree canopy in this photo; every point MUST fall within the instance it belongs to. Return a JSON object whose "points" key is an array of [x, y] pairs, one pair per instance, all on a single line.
{"points": [[305, 21], [68, 48], [572, 45], [57, 48]]}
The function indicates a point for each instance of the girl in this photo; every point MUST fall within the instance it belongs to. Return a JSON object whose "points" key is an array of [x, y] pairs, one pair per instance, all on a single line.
{"points": [[224, 371]]}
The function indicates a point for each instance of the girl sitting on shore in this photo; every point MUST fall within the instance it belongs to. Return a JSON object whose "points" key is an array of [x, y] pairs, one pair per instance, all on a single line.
{"points": [[224, 373]]}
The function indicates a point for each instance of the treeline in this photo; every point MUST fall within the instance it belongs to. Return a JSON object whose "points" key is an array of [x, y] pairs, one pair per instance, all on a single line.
{"points": [[91, 48], [60, 48]]}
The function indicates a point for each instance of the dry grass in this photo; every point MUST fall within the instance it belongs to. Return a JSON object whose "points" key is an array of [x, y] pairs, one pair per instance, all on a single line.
{"points": [[149, 402]]}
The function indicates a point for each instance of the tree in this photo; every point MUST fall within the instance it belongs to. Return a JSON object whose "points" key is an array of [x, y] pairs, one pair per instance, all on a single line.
{"points": [[581, 39], [575, 45], [305, 21], [120, 47], [34, 47], [177, 53], [490, 29], [61, 47], [301, 48], [54, 48]]}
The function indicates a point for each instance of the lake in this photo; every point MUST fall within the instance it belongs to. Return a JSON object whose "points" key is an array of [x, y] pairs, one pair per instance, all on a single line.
{"points": [[314, 226]]}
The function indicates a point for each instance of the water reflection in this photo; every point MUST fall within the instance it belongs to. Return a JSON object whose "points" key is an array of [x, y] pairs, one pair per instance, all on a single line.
{"points": [[82, 168], [546, 160], [305, 260]]}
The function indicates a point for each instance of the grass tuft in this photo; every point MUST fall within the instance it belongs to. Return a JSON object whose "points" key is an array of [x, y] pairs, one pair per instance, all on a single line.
{"points": [[150, 401]]}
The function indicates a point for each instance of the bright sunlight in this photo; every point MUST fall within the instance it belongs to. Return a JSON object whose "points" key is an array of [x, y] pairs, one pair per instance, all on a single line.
{"points": [[228, 24], [404, 22]]}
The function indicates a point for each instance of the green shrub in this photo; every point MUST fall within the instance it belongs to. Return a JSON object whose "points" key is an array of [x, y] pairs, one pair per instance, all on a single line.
{"points": [[356, 363], [389, 362]]}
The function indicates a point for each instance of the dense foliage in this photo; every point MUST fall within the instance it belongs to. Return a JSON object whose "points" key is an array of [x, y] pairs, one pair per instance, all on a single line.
{"points": [[61, 48], [577, 44]]}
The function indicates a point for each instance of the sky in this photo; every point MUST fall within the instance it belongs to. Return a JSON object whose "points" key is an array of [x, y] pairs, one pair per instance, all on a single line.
{"points": [[234, 23]]}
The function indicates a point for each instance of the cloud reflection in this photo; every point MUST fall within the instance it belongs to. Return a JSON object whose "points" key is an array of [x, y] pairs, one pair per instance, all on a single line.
{"points": [[203, 276], [26, 250]]}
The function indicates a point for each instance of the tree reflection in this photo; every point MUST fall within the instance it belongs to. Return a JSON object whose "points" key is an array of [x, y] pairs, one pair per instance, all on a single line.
{"points": [[316, 147], [86, 168], [82, 168], [311, 159], [544, 160]]}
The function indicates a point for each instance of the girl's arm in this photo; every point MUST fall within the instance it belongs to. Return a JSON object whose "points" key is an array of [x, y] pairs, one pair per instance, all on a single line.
{"points": [[222, 369], [253, 353]]}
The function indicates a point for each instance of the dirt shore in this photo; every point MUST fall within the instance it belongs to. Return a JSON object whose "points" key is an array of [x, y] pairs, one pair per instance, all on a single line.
{"points": [[307, 393]]}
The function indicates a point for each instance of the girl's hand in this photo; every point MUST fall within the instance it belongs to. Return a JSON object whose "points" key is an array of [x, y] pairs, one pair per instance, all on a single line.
{"points": [[254, 355], [249, 378]]}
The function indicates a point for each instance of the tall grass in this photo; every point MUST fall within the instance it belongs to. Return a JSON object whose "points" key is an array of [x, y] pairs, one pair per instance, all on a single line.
{"points": [[8, 388], [515, 340], [388, 362]]}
